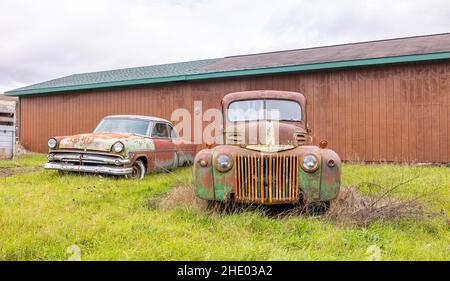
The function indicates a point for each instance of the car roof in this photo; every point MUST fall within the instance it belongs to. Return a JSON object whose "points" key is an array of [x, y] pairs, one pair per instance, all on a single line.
{"points": [[142, 117]]}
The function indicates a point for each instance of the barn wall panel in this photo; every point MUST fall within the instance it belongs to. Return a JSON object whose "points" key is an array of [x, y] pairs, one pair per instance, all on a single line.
{"points": [[394, 113]]}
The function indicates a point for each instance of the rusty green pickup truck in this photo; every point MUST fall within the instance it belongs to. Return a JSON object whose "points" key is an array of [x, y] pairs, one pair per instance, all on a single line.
{"points": [[277, 164]]}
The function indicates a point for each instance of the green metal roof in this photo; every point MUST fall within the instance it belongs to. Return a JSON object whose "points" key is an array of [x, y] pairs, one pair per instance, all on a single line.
{"points": [[413, 49], [113, 77]]}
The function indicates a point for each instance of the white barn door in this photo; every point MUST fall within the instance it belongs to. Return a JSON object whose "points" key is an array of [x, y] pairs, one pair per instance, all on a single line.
{"points": [[7, 129]]}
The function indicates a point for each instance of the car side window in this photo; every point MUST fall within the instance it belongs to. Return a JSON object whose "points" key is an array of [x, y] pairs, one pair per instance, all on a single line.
{"points": [[160, 131], [173, 133]]}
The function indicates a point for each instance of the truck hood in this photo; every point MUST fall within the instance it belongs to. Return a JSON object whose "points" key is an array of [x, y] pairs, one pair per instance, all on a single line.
{"points": [[268, 136], [95, 141]]}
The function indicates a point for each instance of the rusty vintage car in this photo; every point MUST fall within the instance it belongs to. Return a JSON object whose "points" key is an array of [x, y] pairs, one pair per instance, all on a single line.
{"points": [[278, 166], [127, 145]]}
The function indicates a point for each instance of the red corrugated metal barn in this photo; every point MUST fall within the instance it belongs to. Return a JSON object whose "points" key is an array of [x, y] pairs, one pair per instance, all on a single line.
{"points": [[384, 100]]}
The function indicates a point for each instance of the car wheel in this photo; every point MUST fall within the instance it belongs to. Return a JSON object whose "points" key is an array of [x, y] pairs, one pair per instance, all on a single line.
{"points": [[138, 171]]}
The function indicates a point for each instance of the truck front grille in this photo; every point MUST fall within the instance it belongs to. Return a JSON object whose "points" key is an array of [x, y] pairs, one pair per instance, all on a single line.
{"points": [[266, 179]]}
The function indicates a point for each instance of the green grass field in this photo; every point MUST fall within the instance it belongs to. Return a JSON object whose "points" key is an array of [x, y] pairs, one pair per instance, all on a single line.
{"points": [[42, 214]]}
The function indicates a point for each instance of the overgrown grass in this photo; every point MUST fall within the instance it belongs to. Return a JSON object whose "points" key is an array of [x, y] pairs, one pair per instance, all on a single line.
{"points": [[43, 213]]}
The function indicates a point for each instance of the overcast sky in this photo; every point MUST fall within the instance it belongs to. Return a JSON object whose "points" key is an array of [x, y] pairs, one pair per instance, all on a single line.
{"points": [[42, 40]]}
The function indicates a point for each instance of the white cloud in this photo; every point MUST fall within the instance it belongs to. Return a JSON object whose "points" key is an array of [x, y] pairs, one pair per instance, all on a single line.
{"points": [[45, 39]]}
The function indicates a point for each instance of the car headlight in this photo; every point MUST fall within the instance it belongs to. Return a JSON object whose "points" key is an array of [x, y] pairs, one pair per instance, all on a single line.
{"points": [[52, 143], [203, 163], [310, 163], [117, 147], [223, 163]]}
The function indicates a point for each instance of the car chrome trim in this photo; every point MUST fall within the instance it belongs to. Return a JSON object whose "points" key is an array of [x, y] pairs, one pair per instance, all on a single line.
{"points": [[82, 151], [88, 169], [87, 158]]}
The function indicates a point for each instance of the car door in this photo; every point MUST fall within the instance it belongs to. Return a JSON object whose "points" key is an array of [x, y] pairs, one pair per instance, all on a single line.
{"points": [[185, 153], [165, 150]]}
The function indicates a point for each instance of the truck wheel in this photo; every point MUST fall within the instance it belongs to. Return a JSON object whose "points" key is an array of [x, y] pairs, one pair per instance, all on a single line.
{"points": [[318, 208], [214, 205], [222, 206], [138, 171]]}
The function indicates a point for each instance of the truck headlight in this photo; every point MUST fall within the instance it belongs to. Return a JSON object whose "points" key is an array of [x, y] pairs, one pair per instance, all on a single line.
{"points": [[223, 163], [310, 163], [52, 143], [117, 147]]}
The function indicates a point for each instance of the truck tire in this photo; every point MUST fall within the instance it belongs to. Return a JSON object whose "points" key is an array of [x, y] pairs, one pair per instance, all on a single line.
{"points": [[318, 208]]}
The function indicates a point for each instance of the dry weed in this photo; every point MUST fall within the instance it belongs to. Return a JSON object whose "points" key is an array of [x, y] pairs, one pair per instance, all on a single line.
{"points": [[353, 208], [183, 196]]}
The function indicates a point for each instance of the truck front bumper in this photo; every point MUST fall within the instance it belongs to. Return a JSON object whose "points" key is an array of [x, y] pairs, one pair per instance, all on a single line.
{"points": [[117, 171]]}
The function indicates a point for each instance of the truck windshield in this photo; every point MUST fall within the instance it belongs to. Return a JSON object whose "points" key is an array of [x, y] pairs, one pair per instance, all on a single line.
{"points": [[123, 125], [269, 109]]}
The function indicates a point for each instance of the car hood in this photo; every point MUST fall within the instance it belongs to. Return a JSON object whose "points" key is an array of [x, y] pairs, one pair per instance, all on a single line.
{"points": [[101, 141]]}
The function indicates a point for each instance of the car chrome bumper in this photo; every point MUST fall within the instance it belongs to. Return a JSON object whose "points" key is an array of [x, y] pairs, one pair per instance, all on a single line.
{"points": [[118, 171]]}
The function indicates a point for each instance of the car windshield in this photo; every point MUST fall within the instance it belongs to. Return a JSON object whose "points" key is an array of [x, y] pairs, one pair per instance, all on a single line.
{"points": [[123, 125], [269, 109]]}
